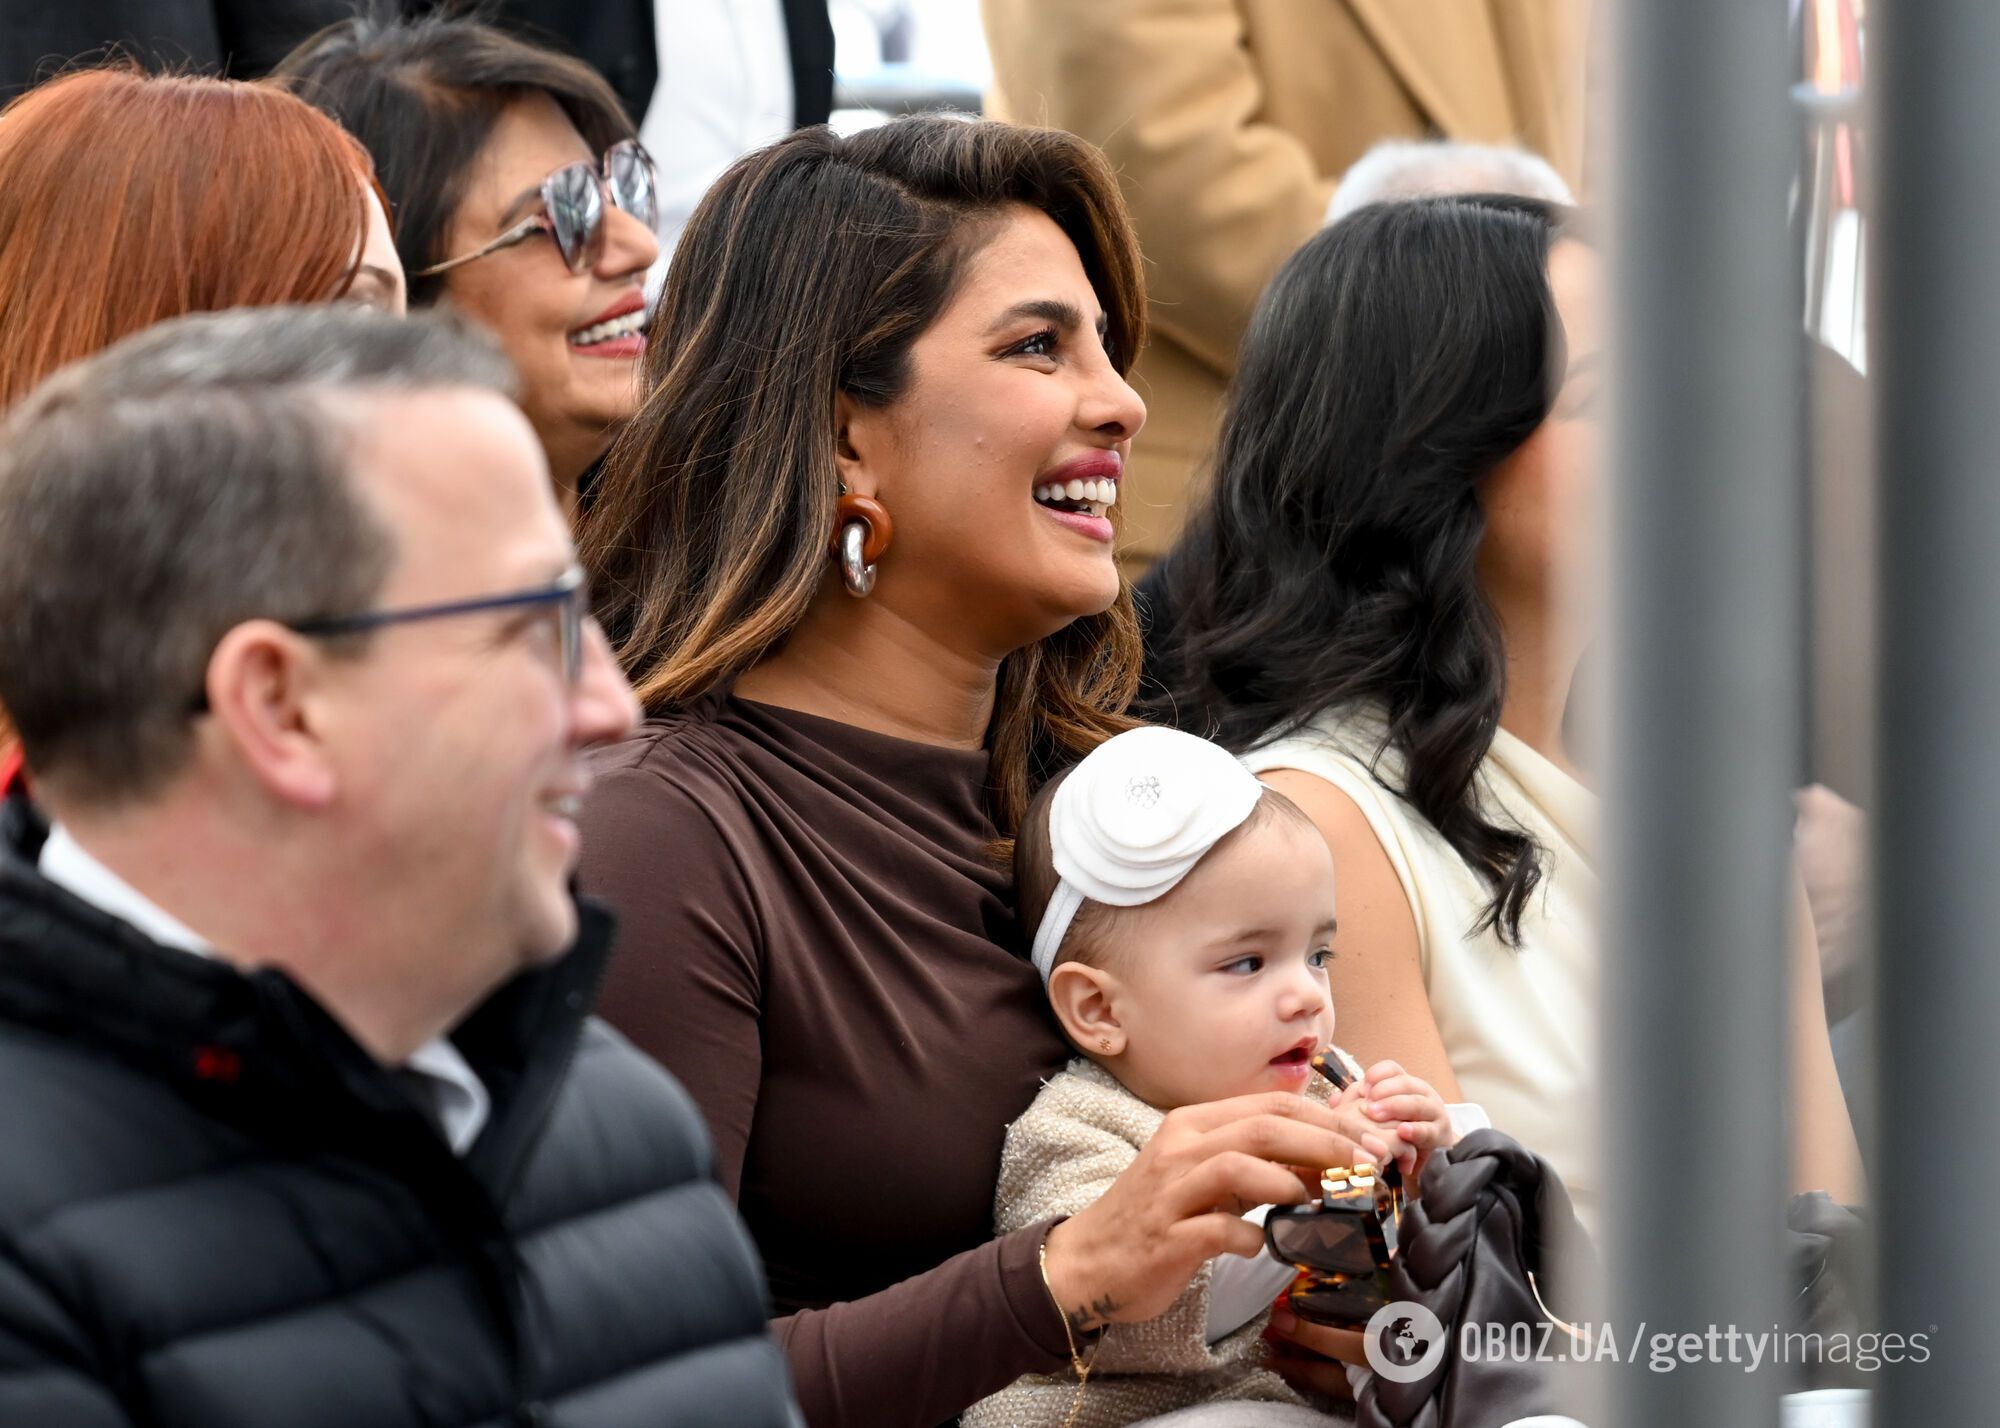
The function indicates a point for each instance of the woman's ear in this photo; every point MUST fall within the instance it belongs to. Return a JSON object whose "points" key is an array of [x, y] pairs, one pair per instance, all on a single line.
{"points": [[1085, 1000], [859, 435]]}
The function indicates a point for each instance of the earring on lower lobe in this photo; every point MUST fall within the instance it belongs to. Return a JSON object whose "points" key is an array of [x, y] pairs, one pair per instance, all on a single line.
{"points": [[1103, 1043], [862, 531]]}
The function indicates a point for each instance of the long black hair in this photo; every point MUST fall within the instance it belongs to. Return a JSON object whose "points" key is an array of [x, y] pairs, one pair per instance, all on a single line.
{"points": [[1395, 360]]}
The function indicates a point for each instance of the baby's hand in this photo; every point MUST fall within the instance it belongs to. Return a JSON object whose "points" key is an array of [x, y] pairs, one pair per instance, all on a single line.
{"points": [[1376, 1140], [1409, 1109]]}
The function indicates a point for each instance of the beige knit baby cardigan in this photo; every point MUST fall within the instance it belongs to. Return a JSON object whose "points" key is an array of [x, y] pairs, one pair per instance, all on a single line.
{"points": [[1061, 1155]]}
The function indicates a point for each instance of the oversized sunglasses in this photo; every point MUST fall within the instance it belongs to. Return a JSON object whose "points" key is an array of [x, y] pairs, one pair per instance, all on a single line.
{"points": [[574, 198], [569, 594], [1342, 1247]]}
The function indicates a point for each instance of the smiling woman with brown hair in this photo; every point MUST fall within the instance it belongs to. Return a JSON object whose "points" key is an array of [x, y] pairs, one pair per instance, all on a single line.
{"points": [[522, 200], [856, 553]]}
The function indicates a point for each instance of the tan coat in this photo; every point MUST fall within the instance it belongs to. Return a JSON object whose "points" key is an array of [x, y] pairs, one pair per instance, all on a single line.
{"points": [[1230, 121]]}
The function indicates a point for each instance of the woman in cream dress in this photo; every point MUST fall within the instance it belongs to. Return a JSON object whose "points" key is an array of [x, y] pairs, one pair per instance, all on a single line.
{"points": [[1370, 603]]}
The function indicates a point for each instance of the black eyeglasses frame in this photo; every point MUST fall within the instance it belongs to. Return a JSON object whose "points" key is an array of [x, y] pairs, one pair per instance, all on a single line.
{"points": [[570, 591]]}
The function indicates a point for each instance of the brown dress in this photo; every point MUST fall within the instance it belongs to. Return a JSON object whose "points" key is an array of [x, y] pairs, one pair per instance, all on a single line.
{"points": [[815, 940]]}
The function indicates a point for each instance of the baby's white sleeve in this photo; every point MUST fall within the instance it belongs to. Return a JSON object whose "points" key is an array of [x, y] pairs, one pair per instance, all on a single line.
{"points": [[1240, 1288], [1467, 1117]]}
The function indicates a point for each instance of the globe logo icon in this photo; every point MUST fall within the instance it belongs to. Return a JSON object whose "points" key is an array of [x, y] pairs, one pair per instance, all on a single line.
{"points": [[1403, 1342]]}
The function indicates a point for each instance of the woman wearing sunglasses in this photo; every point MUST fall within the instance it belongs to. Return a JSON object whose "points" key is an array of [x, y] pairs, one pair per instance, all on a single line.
{"points": [[521, 198]]}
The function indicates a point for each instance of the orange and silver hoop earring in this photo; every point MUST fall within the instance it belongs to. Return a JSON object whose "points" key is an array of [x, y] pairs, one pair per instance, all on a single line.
{"points": [[862, 532]]}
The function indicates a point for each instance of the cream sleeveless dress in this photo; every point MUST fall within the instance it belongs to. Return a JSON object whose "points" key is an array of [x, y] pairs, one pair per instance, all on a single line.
{"points": [[1517, 1023]]}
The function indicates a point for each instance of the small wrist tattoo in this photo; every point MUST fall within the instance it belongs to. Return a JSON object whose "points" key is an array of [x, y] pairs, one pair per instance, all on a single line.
{"points": [[1094, 1315]]}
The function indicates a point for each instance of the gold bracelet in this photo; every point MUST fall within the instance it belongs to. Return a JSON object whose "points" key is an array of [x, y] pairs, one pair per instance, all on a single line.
{"points": [[1077, 1362]]}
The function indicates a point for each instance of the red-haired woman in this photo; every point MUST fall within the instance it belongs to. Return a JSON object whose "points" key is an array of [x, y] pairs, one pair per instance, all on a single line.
{"points": [[128, 198]]}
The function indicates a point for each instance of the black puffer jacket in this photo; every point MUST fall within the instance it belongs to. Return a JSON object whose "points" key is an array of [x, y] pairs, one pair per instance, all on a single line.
{"points": [[216, 1210]]}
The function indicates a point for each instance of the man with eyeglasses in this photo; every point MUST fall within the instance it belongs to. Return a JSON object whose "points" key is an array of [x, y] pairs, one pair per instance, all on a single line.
{"points": [[305, 1120]]}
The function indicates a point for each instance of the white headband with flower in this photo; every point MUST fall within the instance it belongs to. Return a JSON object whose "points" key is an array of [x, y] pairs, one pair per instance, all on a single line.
{"points": [[1133, 818]]}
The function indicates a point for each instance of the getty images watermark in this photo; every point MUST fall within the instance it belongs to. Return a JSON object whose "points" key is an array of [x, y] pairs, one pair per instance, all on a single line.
{"points": [[1404, 1341]]}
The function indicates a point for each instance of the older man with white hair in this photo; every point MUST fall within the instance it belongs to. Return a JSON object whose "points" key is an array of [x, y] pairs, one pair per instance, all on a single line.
{"points": [[1400, 168]]}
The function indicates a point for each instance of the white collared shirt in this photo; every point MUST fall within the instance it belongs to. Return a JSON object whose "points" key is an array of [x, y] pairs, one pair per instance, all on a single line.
{"points": [[458, 1097], [724, 88]]}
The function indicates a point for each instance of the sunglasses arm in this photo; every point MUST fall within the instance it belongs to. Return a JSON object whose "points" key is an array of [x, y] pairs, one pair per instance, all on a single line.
{"points": [[519, 233]]}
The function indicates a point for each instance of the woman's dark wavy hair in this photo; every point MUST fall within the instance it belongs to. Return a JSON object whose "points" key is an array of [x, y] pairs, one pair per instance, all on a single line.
{"points": [[1394, 362]]}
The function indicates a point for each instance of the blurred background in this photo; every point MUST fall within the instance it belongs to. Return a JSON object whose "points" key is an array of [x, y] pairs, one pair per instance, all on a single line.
{"points": [[894, 56]]}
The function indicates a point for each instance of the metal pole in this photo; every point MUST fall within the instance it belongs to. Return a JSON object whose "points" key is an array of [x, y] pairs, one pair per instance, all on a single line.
{"points": [[1705, 656], [1937, 310]]}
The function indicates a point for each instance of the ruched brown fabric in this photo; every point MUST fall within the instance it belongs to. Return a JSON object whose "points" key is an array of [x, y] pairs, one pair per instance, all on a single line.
{"points": [[815, 938]]}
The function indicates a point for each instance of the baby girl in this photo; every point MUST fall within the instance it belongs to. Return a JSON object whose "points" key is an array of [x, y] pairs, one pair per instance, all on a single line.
{"points": [[1180, 915]]}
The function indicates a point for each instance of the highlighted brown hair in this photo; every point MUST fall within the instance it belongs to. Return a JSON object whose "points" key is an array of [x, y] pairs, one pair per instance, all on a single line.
{"points": [[128, 198], [808, 272]]}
